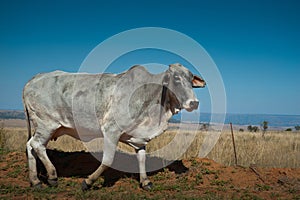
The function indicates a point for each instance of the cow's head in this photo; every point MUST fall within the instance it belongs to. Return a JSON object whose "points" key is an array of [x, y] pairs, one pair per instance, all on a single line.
{"points": [[178, 84]]}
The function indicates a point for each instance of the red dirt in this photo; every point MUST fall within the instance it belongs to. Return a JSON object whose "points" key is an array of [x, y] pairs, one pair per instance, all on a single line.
{"points": [[190, 178]]}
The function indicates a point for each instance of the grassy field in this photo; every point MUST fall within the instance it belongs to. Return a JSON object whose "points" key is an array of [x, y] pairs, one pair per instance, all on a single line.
{"points": [[204, 180], [276, 149], [270, 168]]}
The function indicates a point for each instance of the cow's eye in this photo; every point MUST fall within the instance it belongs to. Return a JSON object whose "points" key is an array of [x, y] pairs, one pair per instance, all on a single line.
{"points": [[177, 78]]}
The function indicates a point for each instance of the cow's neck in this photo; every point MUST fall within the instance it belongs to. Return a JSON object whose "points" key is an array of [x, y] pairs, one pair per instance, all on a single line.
{"points": [[172, 104], [151, 103]]}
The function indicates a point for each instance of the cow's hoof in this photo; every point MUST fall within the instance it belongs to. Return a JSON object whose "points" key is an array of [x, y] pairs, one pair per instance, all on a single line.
{"points": [[53, 182], [147, 186], [37, 186], [85, 186]]}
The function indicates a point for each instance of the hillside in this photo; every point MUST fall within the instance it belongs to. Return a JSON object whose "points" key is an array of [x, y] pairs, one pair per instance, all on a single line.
{"points": [[12, 114]]}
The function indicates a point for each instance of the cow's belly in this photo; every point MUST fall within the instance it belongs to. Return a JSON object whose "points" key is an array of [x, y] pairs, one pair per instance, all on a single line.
{"points": [[82, 134]]}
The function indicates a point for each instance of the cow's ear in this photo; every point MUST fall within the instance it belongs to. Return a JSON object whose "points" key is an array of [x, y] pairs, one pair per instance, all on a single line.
{"points": [[198, 82]]}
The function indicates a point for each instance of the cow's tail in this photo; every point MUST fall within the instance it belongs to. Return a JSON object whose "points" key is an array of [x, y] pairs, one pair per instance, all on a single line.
{"points": [[28, 125], [28, 122]]}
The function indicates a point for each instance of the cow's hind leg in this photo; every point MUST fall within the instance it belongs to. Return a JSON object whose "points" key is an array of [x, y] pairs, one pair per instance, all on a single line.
{"points": [[38, 143], [146, 184], [34, 181], [110, 145]]}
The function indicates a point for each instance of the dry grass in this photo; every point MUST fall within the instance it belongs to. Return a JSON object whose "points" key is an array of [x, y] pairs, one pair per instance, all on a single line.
{"points": [[14, 139], [277, 149]]}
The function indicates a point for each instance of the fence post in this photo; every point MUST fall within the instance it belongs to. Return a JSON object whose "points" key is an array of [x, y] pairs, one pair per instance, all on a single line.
{"points": [[235, 157]]}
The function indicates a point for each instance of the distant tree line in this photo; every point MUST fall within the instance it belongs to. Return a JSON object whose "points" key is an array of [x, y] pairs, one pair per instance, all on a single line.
{"points": [[264, 127], [12, 114], [204, 127], [297, 128], [251, 128]]}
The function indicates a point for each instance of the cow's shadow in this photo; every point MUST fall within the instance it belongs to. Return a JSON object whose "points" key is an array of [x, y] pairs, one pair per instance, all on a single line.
{"points": [[82, 164]]}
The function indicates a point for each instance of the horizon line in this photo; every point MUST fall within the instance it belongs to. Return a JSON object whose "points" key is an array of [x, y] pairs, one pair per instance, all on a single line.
{"points": [[232, 113]]}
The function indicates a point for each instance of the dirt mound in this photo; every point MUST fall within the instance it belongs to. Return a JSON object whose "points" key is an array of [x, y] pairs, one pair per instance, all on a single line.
{"points": [[195, 178]]}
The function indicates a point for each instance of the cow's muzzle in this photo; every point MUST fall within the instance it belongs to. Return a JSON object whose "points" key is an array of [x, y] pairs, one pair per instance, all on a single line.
{"points": [[191, 105], [194, 105]]}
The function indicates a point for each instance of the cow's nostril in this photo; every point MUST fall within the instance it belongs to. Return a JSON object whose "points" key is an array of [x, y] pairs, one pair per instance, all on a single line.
{"points": [[194, 104]]}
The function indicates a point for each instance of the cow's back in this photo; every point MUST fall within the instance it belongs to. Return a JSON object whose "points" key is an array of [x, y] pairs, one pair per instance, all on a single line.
{"points": [[54, 97]]}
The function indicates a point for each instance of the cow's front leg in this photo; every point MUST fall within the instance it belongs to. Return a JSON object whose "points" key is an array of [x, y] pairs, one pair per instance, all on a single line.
{"points": [[146, 184], [110, 145]]}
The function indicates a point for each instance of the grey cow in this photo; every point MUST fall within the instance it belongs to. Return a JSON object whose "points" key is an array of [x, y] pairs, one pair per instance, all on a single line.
{"points": [[132, 107]]}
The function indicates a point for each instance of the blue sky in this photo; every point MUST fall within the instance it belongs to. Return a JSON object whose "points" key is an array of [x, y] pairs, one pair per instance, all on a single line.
{"points": [[255, 44]]}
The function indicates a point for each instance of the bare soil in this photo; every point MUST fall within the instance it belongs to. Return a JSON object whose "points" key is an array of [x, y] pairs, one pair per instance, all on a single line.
{"points": [[186, 179]]}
